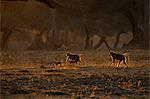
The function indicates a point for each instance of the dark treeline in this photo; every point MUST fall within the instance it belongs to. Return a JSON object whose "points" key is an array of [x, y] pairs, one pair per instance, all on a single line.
{"points": [[71, 24]]}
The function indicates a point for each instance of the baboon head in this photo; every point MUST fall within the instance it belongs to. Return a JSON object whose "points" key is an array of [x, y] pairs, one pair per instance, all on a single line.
{"points": [[111, 52], [68, 54]]}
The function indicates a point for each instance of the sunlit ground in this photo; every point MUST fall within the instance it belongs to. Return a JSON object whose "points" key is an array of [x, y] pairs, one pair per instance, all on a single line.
{"points": [[32, 75]]}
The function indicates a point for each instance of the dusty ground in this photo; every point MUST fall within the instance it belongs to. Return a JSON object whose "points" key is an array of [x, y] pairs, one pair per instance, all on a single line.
{"points": [[31, 75]]}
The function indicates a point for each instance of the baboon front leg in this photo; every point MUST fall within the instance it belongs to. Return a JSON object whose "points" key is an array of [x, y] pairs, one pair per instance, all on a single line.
{"points": [[67, 58], [114, 63], [111, 63]]}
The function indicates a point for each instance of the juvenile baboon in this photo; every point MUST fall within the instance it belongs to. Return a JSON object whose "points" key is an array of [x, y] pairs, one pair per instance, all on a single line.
{"points": [[120, 57], [72, 58], [42, 66], [57, 63]]}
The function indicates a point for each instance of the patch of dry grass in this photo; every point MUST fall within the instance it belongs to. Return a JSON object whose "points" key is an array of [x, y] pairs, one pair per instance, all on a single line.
{"points": [[22, 76]]}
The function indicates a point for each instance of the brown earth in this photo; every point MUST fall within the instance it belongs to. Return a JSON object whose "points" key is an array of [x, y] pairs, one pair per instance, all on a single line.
{"points": [[33, 75]]}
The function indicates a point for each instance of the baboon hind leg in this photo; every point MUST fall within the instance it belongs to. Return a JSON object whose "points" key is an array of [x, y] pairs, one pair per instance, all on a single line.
{"points": [[125, 63], [81, 60], [119, 63], [114, 63]]}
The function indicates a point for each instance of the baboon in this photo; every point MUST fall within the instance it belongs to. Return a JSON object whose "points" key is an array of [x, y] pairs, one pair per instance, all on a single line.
{"points": [[57, 63], [119, 57], [42, 66], [72, 58]]}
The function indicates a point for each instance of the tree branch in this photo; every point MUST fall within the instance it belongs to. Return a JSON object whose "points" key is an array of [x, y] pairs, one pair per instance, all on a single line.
{"points": [[50, 3]]}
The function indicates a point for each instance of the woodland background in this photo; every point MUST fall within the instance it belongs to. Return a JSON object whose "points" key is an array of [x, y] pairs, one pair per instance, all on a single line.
{"points": [[74, 24]]}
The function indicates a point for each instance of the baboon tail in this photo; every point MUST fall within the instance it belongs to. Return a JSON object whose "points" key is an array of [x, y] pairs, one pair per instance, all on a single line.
{"points": [[80, 60], [126, 59], [126, 55]]}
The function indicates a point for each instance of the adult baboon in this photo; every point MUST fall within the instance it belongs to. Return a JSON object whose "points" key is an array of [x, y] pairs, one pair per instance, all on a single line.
{"points": [[120, 57], [73, 58]]}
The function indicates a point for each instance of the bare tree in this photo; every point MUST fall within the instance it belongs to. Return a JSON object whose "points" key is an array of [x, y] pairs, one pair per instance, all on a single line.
{"points": [[87, 40], [5, 36], [136, 12], [101, 41], [118, 38], [55, 33]]}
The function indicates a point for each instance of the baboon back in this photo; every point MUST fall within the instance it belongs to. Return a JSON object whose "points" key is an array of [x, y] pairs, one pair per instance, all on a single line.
{"points": [[74, 57], [118, 56]]}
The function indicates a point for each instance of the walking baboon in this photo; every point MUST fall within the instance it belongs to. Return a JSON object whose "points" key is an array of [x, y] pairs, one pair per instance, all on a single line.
{"points": [[120, 57], [42, 66], [72, 58]]}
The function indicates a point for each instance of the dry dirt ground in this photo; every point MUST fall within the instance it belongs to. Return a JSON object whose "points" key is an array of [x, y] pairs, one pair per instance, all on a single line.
{"points": [[32, 75]]}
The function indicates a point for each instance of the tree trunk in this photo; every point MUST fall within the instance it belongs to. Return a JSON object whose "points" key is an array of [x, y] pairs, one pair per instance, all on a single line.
{"points": [[139, 40], [55, 34], [101, 41], [146, 17], [50, 3], [87, 40], [118, 39], [5, 36]]}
